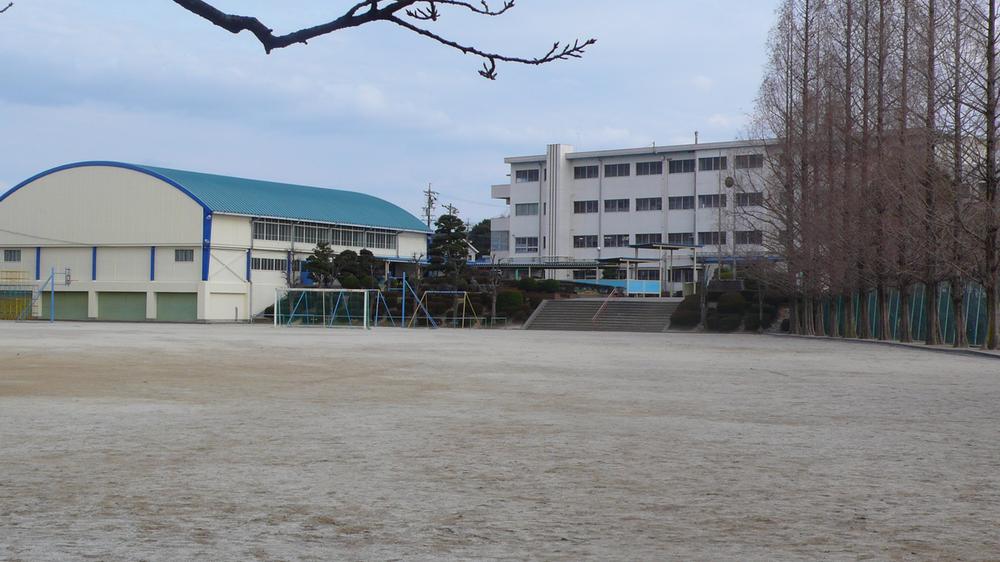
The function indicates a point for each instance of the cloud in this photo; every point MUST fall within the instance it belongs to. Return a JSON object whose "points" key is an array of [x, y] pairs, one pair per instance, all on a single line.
{"points": [[702, 83]]}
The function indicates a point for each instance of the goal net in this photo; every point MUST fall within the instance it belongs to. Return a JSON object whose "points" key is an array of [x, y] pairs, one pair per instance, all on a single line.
{"points": [[329, 308]]}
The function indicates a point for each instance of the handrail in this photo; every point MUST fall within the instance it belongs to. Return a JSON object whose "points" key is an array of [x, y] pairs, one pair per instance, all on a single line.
{"points": [[604, 305]]}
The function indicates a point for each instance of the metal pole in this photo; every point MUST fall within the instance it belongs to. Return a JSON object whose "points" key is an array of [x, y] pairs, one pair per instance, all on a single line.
{"points": [[403, 313], [275, 307], [52, 295], [366, 293]]}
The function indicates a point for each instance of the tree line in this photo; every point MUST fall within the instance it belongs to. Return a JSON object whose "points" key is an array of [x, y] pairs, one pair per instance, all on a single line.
{"points": [[884, 161]]}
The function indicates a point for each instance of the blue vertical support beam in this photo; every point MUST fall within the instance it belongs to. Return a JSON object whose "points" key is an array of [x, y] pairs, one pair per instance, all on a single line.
{"points": [[38, 263], [206, 243], [402, 322], [249, 265], [152, 263], [93, 263]]}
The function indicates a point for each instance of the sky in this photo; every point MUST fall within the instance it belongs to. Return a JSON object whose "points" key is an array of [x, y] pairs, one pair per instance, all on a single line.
{"points": [[375, 109]]}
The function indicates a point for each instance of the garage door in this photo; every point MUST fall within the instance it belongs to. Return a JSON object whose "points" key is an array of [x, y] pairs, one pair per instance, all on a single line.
{"points": [[69, 305], [121, 306], [177, 307]]}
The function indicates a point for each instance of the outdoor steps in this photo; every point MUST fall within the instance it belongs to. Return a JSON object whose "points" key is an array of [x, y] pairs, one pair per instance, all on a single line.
{"points": [[620, 315]]}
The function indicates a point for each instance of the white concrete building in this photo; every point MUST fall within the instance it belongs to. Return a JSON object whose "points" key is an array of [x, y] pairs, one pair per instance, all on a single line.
{"points": [[145, 243], [585, 206]]}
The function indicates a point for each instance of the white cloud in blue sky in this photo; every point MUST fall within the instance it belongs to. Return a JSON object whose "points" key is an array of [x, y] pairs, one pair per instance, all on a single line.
{"points": [[374, 109]]}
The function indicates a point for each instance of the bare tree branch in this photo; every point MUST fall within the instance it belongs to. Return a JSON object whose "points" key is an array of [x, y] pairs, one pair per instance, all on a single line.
{"points": [[7, 7], [394, 11]]}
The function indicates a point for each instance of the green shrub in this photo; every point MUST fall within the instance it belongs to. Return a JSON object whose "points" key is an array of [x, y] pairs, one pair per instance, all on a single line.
{"points": [[723, 322], [690, 302], [768, 313], [509, 302], [731, 303], [549, 286], [685, 318], [349, 281], [527, 284]]}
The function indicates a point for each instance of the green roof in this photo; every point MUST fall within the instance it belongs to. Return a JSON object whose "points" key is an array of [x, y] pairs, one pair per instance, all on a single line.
{"points": [[257, 198]]}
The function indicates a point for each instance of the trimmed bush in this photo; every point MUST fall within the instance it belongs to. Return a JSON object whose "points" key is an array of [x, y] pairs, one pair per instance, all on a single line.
{"points": [[509, 302], [731, 303], [349, 281], [549, 286], [719, 322], [527, 284], [685, 318]]}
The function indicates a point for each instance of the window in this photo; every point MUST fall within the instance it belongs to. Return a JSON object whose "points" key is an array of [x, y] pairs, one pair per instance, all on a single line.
{"points": [[649, 204], [748, 161], [649, 238], [12, 256], [585, 172], [583, 207], [749, 199], [711, 201], [616, 205], [681, 238], [524, 209], [183, 255], [681, 166], [617, 170], [525, 176], [749, 237], [272, 230], [500, 240], [685, 275], [525, 245], [711, 238], [712, 163], [685, 202], [648, 275], [649, 168], [351, 237], [381, 240], [269, 264], [615, 240], [306, 234], [588, 241], [584, 274]]}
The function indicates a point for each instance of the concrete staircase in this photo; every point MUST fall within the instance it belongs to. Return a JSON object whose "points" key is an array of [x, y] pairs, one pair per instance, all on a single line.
{"points": [[620, 315]]}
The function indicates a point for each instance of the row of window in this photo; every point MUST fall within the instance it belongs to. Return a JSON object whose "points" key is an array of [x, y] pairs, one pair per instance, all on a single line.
{"points": [[180, 255], [311, 233], [656, 203], [679, 275], [655, 167], [652, 168], [743, 237]]}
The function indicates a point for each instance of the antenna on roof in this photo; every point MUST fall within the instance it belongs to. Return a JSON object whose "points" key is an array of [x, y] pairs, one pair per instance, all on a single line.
{"points": [[696, 137]]}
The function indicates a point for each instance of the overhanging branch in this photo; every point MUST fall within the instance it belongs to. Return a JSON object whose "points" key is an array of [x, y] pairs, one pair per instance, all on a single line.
{"points": [[368, 11]]}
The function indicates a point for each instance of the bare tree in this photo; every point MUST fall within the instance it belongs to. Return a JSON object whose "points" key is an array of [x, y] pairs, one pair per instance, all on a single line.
{"points": [[412, 15]]}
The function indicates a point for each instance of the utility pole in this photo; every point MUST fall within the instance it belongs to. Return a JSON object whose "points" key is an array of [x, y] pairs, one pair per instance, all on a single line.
{"points": [[431, 200]]}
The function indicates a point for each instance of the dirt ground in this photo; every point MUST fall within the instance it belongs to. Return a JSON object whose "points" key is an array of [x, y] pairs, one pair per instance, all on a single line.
{"points": [[173, 442]]}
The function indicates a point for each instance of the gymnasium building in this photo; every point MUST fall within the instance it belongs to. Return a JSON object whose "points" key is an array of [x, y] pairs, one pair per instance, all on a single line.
{"points": [[133, 242]]}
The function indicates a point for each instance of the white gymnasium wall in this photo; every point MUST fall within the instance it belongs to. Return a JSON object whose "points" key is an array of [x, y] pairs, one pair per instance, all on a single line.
{"points": [[96, 206]]}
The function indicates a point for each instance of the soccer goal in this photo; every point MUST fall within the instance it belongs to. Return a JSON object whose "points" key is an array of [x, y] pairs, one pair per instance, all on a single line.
{"points": [[325, 308]]}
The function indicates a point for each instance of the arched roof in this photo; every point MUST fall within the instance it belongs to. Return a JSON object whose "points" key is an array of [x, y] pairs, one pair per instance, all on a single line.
{"points": [[257, 198]]}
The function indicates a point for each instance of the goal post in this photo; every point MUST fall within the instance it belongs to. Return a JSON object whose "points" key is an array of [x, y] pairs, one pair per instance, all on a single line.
{"points": [[323, 308]]}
